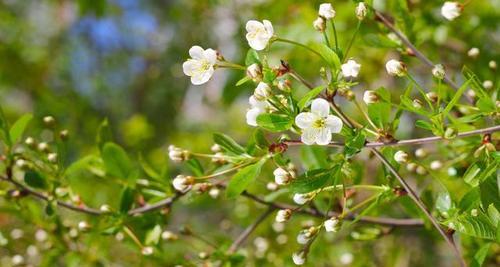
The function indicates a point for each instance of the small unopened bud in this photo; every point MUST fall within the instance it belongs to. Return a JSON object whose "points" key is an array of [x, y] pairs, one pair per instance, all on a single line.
{"points": [[214, 192], [272, 186], [254, 71], [395, 68], [319, 24], [262, 92], [30, 141], [21, 163], [146, 251], [433, 97], [305, 235], [361, 11], [370, 97], [283, 215], [474, 212], [105, 208], [83, 226], [52, 157], [421, 170], [420, 153], [349, 95], [169, 236], [43, 147], [471, 93], [183, 183], [284, 85], [49, 121], [401, 157], [61, 192], [219, 158], [332, 225], [492, 64], [176, 154], [436, 165], [17, 260], [411, 167], [299, 258], [203, 255], [438, 71], [282, 176], [473, 52], [64, 134], [301, 199], [487, 84], [202, 187], [417, 104], [216, 148], [450, 133], [452, 171]]}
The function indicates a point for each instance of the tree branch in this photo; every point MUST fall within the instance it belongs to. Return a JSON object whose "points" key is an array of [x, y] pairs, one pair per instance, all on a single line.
{"points": [[246, 233]]}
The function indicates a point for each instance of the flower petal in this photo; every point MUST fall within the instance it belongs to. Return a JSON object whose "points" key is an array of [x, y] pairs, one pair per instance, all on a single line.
{"points": [[253, 25], [305, 120], [201, 78], [333, 123], [320, 107], [323, 136], [256, 43], [190, 66], [254, 103], [269, 27], [196, 52], [251, 116], [308, 136], [210, 55]]}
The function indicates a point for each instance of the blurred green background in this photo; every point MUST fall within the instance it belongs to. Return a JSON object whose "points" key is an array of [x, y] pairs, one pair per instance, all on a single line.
{"points": [[87, 60]]}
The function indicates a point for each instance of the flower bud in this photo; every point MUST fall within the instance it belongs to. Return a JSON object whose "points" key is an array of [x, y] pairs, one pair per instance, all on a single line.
{"points": [[64, 134], [326, 11], [284, 85], [61, 192], [361, 11], [332, 225], [433, 97], [216, 148], [421, 170], [436, 165], [492, 64], [43, 147], [219, 158], [17, 260], [420, 153], [411, 167], [183, 183], [417, 104], [370, 97], [301, 199], [451, 10], [452, 171], [177, 154], [83, 226], [214, 192], [146, 251], [262, 92], [281, 176], [169, 236], [401, 157], [203, 255], [283, 215], [49, 121], [305, 235], [30, 141], [450, 133], [395, 68], [272, 186], [487, 84], [52, 157], [105, 208], [438, 72], [319, 24], [254, 71], [298, 258], [474, 212], [473, 52], [21, 163]]}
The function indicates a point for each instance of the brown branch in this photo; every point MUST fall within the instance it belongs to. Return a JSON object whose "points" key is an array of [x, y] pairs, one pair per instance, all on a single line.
{"points": [[415, 141], [246, 233]]}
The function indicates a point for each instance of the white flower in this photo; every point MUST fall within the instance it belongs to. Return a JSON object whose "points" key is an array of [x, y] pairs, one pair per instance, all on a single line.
{"points": [[438, 71], [21, 163], [350, 69], [370, 97], [298, 258], [452, 171], [254, 71], [326, 11], [183, 183], [176, 154], [318, 125], [432, 96], [283, 215], [451, 10], [259, 33], [473, 52], [256, 108], [488, 84], [401, 157], [332, 225], [474, 212], [361, 11], [262, 92], [301, 199], [436, 165], [282, 176], [395, 67], [304, 236], [200, 67], [319, 24]]}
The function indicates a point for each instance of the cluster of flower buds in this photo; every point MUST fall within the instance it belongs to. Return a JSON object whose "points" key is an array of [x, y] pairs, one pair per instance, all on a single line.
{"points": [[177, 154], [361, 11]]}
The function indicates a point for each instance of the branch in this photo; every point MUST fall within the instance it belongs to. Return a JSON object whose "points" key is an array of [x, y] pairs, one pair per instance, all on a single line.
{"points": [[246, 233], [415, 141], [415, 51]]}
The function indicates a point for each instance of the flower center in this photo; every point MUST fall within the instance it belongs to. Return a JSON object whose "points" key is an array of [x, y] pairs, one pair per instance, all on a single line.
{"points": [[204, 66], [319, 123]]}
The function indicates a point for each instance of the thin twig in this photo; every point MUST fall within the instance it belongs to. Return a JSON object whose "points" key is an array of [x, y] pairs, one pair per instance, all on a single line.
{"points": [[246, 233]]}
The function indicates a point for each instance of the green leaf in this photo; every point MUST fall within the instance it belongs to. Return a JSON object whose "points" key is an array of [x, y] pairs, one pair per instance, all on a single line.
{"points": [[195, 166], [478, 226], [126, 200], [243, 178], [4, 128], [274, 122], [377, 40], [260, 139], [17, 129], [478, 172], [455, 98], [443, 202], [228, 144], [314, 157], [314, 179], [424, 125], [354, 144], [485, 104], [252, 57], [309, 96], [148, 169], [153, 236], [493, 214], [34, 179], [104, 134], [116, 161], [327, 54], [480, 256], [243, 80], [470, 200], [380, 112]]}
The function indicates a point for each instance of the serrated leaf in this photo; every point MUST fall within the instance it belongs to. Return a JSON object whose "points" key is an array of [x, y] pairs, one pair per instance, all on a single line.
{"points": [[478, 172], [228, 144], [480, 256], [478, 226], [309, 96], [18, 128], [116, 161], [260, 139], [243, 178], [330, 57], [274, 122], [35, 180]]}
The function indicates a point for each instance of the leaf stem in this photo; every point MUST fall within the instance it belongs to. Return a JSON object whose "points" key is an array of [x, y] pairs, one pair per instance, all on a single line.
{"points": [[352, 40], [335, 35], [298, 44]]}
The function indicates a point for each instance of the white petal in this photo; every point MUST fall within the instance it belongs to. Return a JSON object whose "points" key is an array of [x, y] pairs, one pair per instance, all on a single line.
{"points": [[324, 136], [210, 55], [256, 43], [253, 25], [201, 78], [320, 107], [190, 66], [196, 52], [305, 120], [269, 27], [254, 103], [251, 116], [309, 135], [333, 123]]}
